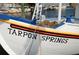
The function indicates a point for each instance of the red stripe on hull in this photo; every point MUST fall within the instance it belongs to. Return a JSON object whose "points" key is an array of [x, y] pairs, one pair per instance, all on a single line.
{"points": [[44, 32]]}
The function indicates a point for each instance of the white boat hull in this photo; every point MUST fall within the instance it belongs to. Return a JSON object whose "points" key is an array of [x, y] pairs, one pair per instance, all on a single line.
{"points": [[17, 41]]}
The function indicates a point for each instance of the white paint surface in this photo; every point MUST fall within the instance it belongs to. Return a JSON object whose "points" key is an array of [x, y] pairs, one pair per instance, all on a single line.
{"points": [[23, 45]]}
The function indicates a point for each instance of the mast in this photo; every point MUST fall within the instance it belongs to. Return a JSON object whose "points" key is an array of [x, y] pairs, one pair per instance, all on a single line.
{"points": [[59, 12]]}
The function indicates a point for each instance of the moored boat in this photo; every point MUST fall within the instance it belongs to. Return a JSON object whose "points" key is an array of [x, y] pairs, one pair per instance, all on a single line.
{"points": [[22, 36]]}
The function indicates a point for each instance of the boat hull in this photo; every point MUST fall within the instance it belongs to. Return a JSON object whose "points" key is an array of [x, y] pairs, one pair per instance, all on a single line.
{"points": [[17, 39]]}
